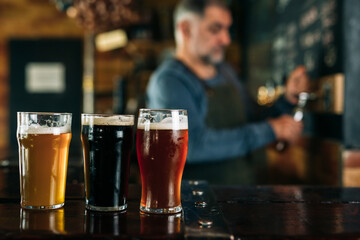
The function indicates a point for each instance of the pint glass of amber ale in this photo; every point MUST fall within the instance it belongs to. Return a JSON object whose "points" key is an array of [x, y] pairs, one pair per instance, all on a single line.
{"points": [[106, 141], [43, 140], [161, 142]]}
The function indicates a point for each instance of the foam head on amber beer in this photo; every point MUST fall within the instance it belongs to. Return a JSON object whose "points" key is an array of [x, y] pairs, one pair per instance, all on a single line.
{"points": [[37, 129], [32, 123], [169, 123]]}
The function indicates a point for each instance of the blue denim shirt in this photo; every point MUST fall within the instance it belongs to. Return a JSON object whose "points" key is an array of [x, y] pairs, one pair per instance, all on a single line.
{"points": [[175, 86]]}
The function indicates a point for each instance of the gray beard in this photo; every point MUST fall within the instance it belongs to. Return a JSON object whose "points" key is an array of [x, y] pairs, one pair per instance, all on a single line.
{"points": [[206, 59]]}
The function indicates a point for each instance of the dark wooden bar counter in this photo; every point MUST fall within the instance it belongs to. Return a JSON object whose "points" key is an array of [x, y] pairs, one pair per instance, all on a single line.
{"points": [[236, 212]]}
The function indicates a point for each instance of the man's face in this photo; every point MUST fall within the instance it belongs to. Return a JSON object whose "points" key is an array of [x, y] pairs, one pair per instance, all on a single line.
{"points": [[210, 35]]}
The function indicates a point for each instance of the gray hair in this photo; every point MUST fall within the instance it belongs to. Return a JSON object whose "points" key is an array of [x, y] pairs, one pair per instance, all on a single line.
{"points": [[196, 7]]}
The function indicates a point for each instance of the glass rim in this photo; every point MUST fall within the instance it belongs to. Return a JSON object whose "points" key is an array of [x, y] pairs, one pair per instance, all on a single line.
{"points": [[162, 110], [45, 113], [106, 115]]}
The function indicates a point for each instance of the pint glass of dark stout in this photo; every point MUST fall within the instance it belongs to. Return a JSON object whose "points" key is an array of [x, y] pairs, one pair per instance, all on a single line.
{"points": [[161, 143], [106, 141]]}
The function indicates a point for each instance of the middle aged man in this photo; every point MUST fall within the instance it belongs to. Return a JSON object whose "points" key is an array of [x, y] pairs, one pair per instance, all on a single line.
{"points": [[223, 123]]}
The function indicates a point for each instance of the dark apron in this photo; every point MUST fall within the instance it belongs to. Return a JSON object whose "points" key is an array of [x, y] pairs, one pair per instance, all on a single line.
{"points": [[225, 110]]}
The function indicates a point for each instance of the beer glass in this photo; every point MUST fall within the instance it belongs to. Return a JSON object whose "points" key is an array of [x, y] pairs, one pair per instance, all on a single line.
{"points": [[106, 141], [161, 142], [43, 140]]}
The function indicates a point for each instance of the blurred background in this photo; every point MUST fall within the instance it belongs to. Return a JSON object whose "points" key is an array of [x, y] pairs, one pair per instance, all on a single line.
{"points": [[97, 56]]}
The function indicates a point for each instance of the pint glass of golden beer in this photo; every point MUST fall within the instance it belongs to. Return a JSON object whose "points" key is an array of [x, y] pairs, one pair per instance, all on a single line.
{"points": [[162, 143], [43, 140]]}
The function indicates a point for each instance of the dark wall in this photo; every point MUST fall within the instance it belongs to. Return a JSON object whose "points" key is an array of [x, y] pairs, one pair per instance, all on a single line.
{"points": [[352, 73], [258, 20], [67, 52]]}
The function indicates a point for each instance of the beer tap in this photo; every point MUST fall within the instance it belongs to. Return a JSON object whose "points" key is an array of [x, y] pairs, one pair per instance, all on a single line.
{"points": [[298, 115], [304, 97]]}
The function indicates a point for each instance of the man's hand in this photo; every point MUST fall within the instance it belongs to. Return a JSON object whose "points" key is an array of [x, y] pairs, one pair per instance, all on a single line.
{"points": [[286, 128], [297, 82]]}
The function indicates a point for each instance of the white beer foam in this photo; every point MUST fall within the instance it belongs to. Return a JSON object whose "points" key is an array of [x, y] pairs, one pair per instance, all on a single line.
{"points": [[108, 121], [37, 129], [165, 124]]}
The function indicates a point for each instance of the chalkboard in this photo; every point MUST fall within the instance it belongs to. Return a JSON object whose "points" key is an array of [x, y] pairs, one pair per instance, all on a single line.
{"points": [[307, 33]]}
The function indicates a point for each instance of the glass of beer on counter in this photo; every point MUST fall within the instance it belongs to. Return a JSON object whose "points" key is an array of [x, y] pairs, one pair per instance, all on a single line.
{"points": [[162, 143], [106, 141], [43, 140]]}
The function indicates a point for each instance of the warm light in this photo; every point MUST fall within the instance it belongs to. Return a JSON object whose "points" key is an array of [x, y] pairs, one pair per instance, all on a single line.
{"points": [[268, 95], [71, 12], [262, 95], [111, 40]]}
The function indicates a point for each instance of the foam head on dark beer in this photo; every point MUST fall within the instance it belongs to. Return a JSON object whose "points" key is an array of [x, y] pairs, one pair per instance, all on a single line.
{"points": [[108, 121]]}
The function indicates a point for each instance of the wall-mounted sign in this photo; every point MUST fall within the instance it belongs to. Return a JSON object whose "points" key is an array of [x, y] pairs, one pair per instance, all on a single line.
{"points": [[45, 77]]}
